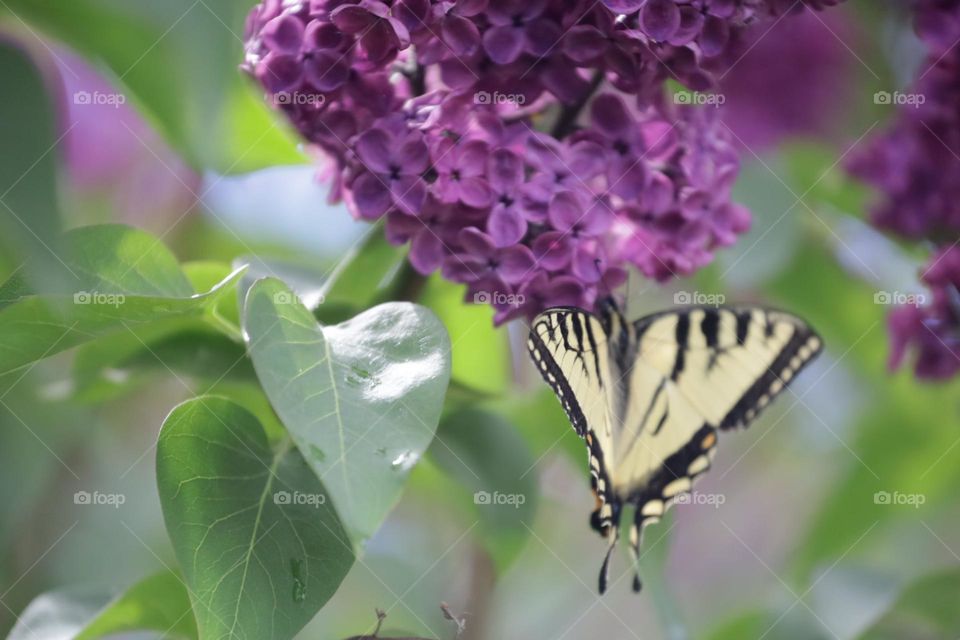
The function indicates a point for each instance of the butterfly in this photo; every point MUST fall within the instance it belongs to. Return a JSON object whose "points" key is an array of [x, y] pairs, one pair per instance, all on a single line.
{"points": [[650, 397]]}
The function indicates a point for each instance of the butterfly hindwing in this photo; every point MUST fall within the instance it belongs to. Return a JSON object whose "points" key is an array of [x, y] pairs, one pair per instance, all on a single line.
{"points": [[650, 397]]}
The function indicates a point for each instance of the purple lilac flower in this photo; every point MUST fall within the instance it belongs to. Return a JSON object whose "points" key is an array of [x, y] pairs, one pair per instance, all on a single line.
{"points": [[393, 173], [931, 332], [803, 70], [914, 166], [522, 147]]}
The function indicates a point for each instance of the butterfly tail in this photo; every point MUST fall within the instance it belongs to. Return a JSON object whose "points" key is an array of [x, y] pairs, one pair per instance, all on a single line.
{"points": [[613, 534]]}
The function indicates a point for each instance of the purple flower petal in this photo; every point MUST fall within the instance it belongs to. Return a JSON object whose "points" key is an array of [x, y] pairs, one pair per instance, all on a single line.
{"points": [[506, 226], [713, 39], [373, 149], [552, 250], [426, 252], [326, 71], [660, 19], [516, 264], [460, 34], [279, 72], [472, 158], [475, 192], [352, 18], [505, 170], [463, 267], [610, 116], [476, 242], [371, 195], [627, 178], [409, 194], [566, 210], [413, 156], [283, 34], [503, 44], [585, 43]]}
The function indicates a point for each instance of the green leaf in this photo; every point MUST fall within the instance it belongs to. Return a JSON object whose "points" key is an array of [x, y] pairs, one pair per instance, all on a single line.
{"points": [[361, 399], [491, 462], [158, 603], [365, 273], [29, 218], [926, 610], [792, 624], [122, 279], [481, 354], [259, 545], [179, 62]]}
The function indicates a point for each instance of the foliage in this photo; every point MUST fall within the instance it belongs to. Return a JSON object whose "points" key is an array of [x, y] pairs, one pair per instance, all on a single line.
{"points": [[349, 435]]}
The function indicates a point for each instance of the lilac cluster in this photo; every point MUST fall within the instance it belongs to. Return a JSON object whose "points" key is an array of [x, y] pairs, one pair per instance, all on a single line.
{"points": [[915, 164], [523, 147]]}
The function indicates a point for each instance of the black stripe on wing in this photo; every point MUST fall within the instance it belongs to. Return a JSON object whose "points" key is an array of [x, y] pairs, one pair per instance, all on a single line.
{"points": [[799, 351], [674, 478], [602, 518]]}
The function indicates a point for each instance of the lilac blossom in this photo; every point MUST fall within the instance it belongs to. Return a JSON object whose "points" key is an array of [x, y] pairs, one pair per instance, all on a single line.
{"points": [[915, 168], [524, 148]]}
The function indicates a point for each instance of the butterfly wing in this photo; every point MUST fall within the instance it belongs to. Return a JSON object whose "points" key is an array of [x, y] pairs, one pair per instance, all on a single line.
{"points": [[691, 374], [575, 353]]}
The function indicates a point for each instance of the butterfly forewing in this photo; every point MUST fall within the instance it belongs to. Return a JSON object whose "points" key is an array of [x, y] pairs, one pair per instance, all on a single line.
{"points": [[649, 398], [570, 348]]}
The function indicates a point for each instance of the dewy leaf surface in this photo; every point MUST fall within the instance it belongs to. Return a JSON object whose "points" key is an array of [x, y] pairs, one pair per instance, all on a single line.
{"points": [[259, 544], [361, 399]]}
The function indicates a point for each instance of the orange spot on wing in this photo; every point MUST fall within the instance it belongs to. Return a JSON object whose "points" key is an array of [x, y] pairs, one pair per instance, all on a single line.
{"points": [[709, 441]]}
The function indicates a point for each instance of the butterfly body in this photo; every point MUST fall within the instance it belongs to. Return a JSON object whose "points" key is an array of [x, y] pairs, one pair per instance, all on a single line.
{"points": [[650, 397]]}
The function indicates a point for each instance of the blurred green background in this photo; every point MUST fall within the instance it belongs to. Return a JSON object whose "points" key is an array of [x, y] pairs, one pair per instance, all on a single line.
{"points": [[838, 517]]}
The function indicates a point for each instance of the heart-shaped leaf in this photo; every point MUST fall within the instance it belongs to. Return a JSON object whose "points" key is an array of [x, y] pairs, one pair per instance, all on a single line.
{"points": [[361, 399], [259, 545]]}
